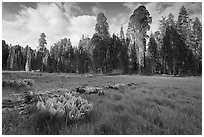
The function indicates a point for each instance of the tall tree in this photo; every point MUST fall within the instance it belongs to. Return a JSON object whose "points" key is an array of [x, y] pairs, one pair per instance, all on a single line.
{"points": [[139, 24], [183, 23], [100, 41], [197, 44], [41, 50], [123, 56], [167, 26], [83, 55], [152, 49], [28, 60], [5, 54], [184, 30], [174, 50], [113, 53]]}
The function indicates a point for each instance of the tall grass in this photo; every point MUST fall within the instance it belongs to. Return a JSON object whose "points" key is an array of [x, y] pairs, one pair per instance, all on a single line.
{"points": [[131, 110]]}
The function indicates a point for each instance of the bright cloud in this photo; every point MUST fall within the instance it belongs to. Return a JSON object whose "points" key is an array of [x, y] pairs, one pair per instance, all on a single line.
{"points": [[55, 20], [81, 25]]}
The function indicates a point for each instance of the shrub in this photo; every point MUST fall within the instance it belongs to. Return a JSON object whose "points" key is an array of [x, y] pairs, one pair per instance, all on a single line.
{"points": [[66, 105], [18, 83]]}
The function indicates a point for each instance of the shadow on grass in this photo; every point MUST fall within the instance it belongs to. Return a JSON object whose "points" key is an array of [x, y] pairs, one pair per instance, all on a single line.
{"points": [[44, 124]]}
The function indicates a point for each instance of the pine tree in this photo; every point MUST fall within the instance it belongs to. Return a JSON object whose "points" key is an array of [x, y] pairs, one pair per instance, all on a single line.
{"points": [[152, 49], [100, 41], [184, 30], [83, 53], [196, 42], [183, 23], [41, 51], [5, 54]]}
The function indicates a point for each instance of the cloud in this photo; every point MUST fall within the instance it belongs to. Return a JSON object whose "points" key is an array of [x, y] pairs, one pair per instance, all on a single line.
{"points": [[56, 20], [116, 22], [81, 25], [133, 5], [72, 8], [97, 10]]}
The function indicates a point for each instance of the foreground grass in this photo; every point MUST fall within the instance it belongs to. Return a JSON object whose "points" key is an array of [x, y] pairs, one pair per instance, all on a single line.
{"points": [[156, 105]]}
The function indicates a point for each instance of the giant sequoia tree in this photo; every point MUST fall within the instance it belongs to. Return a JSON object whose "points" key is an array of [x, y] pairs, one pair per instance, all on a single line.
{"points": [[137, 28]]}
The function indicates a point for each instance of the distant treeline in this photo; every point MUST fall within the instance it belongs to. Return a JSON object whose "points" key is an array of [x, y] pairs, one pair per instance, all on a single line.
{"points": [[176, 48]]}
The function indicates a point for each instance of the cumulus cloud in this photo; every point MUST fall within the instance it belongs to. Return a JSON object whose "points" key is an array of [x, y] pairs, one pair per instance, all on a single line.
{"points": [[97, 10], [81, 25], [56, 20]]}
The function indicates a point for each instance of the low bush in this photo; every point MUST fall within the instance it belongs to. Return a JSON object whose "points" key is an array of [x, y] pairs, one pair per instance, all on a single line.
{"points": [[18, 83]]}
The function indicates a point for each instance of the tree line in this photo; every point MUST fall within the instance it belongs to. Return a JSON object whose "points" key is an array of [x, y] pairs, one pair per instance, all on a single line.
{"points": [[176, 48]]}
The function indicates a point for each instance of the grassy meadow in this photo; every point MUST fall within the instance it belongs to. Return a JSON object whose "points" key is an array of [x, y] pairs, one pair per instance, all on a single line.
{"points": [[154, 105]]}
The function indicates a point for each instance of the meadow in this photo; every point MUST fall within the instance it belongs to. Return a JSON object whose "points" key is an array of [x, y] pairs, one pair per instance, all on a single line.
{"points": [[155, 105]]}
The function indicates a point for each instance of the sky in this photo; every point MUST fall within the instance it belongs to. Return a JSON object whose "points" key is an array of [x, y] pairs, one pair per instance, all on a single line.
{"points": [[23, 22]]}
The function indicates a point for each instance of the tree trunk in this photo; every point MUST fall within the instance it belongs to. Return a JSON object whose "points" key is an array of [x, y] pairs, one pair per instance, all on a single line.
{"points": [[174, 66], [164, 65]]}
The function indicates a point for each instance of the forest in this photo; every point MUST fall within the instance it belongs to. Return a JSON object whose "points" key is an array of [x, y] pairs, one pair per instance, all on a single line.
{"points": [[175, 49]]}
